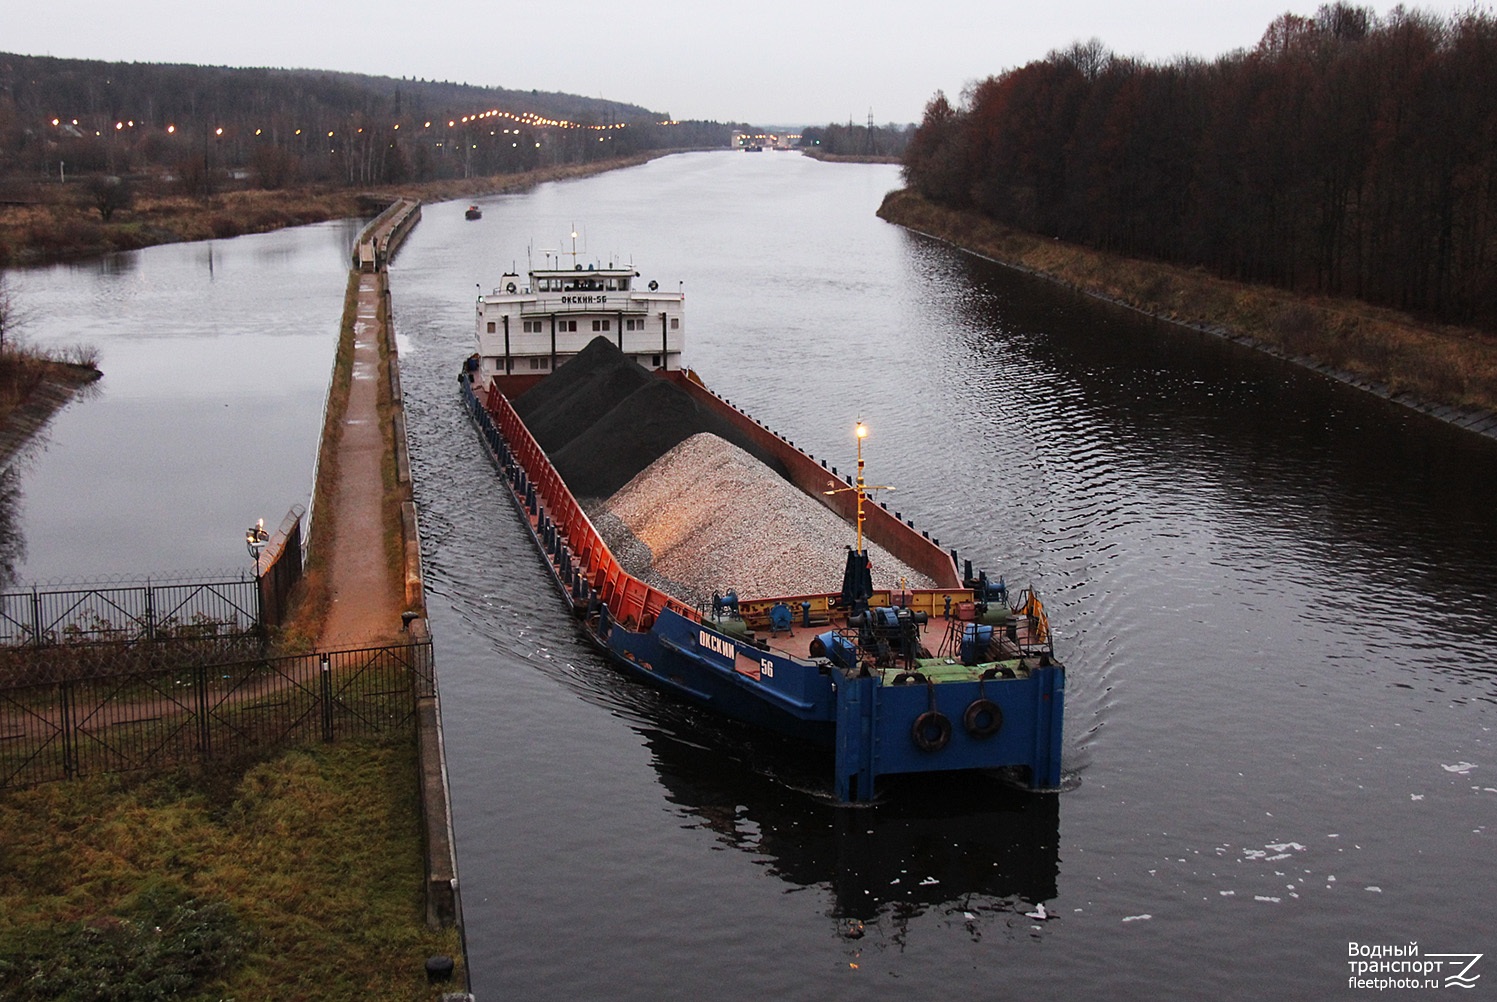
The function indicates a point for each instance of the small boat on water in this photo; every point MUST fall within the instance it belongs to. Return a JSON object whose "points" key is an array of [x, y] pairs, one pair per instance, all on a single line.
{"points": [[579, 394], [473, 212]]}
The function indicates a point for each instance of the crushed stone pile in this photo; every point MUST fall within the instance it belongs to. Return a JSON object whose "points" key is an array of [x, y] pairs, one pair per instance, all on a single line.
{"points": [[707, 516]]}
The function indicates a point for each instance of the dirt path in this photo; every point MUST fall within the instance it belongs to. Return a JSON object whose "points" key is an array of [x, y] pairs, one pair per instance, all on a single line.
{"points": [[365, 597]]}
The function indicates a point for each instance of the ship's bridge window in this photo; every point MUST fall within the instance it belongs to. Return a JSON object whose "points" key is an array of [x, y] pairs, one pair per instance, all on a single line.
{"points": [[492, 326], [675, 323]]}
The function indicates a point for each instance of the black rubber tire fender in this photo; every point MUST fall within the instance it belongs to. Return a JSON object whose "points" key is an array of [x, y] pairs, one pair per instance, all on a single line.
{"points": [[931, 731], [983, 718]]}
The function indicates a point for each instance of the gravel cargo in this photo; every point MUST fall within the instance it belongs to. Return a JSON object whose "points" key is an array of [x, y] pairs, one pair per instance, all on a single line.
{"points": [[707, 516]]}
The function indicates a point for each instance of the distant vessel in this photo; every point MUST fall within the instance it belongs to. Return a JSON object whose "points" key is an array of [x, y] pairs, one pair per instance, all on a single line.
{"points": [[893, 680], [474, 212]]}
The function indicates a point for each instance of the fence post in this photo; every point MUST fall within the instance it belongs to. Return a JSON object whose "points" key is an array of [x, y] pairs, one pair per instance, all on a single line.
{"points": [[327, 700], [69, 749], [36, 617], [150, 611], [205, 730]]}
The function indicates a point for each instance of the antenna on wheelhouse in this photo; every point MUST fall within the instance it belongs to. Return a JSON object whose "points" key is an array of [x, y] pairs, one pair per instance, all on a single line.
{"points": [[574, 247]]}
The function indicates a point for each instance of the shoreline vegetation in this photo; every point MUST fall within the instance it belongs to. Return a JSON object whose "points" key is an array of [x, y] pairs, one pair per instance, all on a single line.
{"points": [[1445, 370], [67, 229], [849, 158], [295, 877], [35, 386]]}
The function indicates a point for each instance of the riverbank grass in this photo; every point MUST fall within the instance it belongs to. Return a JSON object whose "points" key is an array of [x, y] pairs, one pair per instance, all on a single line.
{"points": [[293, 878], [1387, 351], [61, 226]]}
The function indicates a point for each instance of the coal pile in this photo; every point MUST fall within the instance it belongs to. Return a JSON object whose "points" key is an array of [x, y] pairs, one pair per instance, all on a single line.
{"points": [[602, 419]]}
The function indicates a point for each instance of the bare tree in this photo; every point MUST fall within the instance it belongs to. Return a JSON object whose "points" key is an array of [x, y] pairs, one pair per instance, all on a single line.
{"points": [[109, 194], [12, 317]]}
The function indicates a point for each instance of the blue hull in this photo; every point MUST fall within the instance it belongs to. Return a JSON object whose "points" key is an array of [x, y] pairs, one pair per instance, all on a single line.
{"points": [[874, 728]]}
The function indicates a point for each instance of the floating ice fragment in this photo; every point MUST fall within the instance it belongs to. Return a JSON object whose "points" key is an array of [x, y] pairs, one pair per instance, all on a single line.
{"points": [[1227, 894], [1285, 847], [1265, 897], [929, 881], [1275, 859], [1374, 889], [1038, 913], [1136, 918], [1416, 796], [1460, 767]]}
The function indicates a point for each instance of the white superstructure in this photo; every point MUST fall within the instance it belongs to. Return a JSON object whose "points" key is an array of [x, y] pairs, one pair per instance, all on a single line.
{"points": [[529, 328]]}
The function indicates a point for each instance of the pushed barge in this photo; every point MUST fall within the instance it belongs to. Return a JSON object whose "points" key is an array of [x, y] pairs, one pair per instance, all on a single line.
{"points": [[952, 677]]}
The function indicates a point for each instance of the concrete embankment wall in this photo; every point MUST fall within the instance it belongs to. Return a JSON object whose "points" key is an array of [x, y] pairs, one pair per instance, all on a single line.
{"points": [[376, 245], [443, 907], [380, 240]]}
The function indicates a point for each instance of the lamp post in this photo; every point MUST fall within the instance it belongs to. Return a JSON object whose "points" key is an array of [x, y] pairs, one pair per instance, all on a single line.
{"points": [[255, 540], [860, 485]]}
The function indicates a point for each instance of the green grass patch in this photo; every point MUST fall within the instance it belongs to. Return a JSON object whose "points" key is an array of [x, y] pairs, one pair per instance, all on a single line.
{"points": [[295, 877]]}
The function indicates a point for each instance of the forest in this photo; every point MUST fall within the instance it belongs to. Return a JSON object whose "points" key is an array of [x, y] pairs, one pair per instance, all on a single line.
{"points": [[858, 140], [1345, 154], [205, 127]]}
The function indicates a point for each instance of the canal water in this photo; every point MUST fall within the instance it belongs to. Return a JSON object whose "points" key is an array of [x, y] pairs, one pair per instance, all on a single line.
{"points": [[216, 357], [1274, 596]]}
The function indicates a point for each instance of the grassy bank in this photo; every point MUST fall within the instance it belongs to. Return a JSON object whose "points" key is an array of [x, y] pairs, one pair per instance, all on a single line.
{"points": [[289, 879], [66, 227], [1382, 349], [847, 158], [23, 371]]}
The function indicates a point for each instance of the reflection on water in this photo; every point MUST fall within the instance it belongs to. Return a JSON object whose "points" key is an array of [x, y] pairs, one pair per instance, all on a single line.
{"points": [[940, 841], [12, 540]]}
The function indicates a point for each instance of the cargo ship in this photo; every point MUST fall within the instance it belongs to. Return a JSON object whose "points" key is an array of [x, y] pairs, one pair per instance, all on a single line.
{"points": [[578, 391]]}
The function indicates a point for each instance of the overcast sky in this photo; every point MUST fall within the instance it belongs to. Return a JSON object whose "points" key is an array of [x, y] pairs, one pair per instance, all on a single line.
{"points": [[769, 62]]}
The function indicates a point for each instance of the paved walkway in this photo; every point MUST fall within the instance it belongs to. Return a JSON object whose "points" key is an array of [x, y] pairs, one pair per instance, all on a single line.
{"points": [[366, 598]]}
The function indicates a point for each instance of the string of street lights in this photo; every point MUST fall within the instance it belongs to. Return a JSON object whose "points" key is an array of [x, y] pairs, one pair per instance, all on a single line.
{"points": [[523, 118]]}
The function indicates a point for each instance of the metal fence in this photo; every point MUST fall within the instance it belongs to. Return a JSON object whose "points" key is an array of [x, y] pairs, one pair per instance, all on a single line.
{"points": [[199, 713], [126, 613]]}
